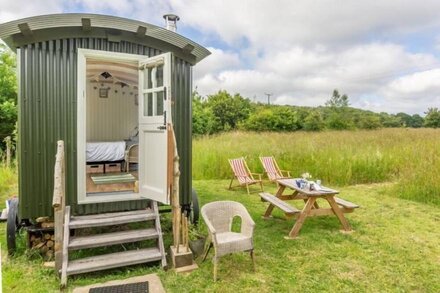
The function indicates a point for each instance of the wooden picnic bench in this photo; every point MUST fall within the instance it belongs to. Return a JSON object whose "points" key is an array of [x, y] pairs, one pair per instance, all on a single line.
{"points": [[338, 206]]}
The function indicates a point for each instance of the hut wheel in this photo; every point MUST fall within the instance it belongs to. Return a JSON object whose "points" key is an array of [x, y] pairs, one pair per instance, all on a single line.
{"points": [[12, 225]]}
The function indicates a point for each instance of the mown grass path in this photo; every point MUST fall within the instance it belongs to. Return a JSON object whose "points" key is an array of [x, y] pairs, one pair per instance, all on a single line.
{"points": [[395, 248]]}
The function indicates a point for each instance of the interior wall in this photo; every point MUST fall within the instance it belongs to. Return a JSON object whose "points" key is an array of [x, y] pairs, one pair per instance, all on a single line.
{"points": [[112, 118]]}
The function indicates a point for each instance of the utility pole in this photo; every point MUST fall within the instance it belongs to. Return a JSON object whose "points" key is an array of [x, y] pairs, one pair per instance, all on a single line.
{"points": [[268, 97]]}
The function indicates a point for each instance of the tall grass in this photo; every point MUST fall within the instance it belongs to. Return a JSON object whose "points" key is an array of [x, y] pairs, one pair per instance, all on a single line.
{"points": [[8, 183], [409, 156]]}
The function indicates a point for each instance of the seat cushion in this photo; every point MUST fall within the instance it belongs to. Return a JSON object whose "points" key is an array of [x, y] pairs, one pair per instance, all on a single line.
{"points": [[230, 242]]}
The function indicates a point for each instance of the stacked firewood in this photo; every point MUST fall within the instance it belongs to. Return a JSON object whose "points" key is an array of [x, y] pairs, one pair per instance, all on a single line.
{"points": [[43, 243]]}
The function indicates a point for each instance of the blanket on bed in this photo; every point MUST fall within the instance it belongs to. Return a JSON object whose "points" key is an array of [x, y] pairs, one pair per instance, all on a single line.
{"points": [[105, 151]]}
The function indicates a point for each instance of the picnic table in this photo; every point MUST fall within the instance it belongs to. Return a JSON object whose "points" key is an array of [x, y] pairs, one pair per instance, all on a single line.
{"points": [[311, 208]]}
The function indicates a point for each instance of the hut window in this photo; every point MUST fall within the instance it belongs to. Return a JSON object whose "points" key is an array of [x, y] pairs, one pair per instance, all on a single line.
{"points": [[103, 92]]}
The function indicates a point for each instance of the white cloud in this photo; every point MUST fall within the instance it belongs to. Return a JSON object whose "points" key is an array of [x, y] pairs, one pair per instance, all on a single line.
{"points": [[298, 50], [285, 22], [150, 11], [307, 77], [414, 92], [218, 60], [11, 10]]}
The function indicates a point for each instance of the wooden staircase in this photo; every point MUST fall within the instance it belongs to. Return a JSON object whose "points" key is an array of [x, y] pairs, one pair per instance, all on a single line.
{"points": [[111, 260]]}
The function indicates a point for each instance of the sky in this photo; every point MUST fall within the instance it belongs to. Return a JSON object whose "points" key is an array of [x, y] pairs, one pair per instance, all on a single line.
{"points": [[385, 55]]}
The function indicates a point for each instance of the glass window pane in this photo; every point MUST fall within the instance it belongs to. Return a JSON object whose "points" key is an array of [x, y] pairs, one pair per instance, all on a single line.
{"points": [[147, 78], [159, 75], [148, 104], [159, 104]]}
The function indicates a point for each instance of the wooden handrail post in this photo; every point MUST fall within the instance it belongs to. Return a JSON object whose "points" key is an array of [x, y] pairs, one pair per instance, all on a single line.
{"points": [[59, 203]]}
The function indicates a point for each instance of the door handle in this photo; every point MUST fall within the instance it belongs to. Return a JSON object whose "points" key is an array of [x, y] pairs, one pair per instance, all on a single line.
{"points": [[162, 127]]}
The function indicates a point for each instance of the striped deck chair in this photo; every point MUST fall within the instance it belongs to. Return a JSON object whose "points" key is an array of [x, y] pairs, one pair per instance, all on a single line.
{"points": [[272, 170], [243, 174]]}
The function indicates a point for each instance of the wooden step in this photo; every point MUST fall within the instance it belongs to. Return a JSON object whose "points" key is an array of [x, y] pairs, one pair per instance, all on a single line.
{"points": [[345, 203], [108, 239], [284, 206], [109, 219], [113, 260]]}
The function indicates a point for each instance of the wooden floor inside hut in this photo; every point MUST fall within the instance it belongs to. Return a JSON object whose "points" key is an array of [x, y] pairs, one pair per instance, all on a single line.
{"points": [[92, 187]]}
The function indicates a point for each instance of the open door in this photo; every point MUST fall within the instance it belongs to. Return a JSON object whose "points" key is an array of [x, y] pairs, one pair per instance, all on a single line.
{"points": [[154, 114]]}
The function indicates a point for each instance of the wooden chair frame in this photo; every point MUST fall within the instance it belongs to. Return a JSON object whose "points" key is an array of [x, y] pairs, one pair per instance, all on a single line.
{"points": [[277, 173], [245, 176]]}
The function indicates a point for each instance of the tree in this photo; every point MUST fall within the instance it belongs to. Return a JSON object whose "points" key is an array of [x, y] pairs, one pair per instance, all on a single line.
{"points": [[229, 111], [8, 93], [405, 118], [432, 118], [369, 122], [337, 101], [203, 119], [338, 116], [389, 120], [273, 118], [314, 121], [417, 121]]}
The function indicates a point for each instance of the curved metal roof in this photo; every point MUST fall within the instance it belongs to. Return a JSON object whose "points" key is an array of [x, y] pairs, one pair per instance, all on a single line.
{"points": [[30, 29]]}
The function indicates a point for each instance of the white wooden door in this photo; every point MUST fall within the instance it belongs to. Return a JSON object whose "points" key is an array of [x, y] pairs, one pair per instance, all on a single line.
{"points": [[154, 114]]}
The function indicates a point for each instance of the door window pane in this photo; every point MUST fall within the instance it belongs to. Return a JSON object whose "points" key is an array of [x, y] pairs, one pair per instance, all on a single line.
{"points": [[147, 78], [148, 104], [159, 103], [153, 77], [159, 75]]}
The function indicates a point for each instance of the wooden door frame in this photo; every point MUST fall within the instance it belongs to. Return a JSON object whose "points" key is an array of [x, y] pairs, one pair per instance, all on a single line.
{"points": [[83, 55]]}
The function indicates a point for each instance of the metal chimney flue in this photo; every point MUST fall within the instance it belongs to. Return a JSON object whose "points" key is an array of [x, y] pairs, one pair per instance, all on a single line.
{"points": [[171, 22]]}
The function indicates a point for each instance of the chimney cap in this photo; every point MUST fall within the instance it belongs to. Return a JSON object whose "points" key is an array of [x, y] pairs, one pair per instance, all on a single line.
{"points": [[171, 17]]}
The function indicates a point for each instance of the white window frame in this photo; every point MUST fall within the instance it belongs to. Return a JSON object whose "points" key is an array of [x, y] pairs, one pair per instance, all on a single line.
{"points": [[81, 124]]}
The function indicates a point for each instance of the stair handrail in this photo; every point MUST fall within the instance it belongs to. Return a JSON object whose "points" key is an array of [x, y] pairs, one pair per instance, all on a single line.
{"points": [[59, 203]]}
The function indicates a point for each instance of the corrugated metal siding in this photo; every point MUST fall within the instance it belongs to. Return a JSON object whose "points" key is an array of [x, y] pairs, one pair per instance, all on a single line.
{"points": [[182, 90], [47, 102]]}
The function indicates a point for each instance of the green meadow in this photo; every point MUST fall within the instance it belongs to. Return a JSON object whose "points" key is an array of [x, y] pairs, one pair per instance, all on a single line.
{"points": [[410, 158], [391, 173]]}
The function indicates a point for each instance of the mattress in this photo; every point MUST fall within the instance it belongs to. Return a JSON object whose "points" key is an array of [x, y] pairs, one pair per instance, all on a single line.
{"points": [[105, 151]]}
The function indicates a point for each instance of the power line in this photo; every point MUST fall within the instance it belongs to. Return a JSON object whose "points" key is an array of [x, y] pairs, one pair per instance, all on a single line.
{"points": [[268, 97]]}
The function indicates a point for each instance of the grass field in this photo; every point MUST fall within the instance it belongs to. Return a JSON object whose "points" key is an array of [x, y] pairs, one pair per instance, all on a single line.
{"points": [[395, 248], [340, 158]]}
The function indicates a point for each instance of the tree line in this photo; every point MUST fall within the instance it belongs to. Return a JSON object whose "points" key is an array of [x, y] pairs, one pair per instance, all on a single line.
{"points": [[8, 96], [223, 111]]}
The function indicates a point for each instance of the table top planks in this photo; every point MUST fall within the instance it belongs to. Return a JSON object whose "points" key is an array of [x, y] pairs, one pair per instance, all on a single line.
{"points": [[291, 183]]}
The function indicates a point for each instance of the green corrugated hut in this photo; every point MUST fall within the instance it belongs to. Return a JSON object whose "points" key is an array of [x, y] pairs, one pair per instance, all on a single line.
{"points": [[104, 102], [79, 81]]}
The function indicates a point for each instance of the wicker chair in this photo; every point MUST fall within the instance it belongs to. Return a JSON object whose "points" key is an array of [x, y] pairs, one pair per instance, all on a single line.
{"points": [[131, 156], [218, 216]]}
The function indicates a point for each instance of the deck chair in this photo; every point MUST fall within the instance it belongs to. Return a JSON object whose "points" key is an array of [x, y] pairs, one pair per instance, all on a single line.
{"points": [[131, 156], [243, 174], [272, 170]]}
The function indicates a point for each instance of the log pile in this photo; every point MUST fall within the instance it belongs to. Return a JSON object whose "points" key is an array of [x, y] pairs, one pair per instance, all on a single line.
{"points": [[43, 243]]}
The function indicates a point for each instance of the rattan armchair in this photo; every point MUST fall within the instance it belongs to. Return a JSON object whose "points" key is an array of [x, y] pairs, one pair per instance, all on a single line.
{"points": [[218, 216], [131, 156]]}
